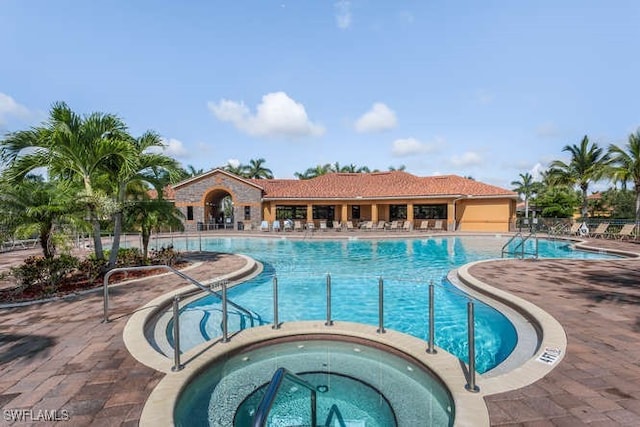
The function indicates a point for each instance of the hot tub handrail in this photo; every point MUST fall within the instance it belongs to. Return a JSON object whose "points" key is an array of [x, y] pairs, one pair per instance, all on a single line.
{"points": [[262, 413], [176, 272]]}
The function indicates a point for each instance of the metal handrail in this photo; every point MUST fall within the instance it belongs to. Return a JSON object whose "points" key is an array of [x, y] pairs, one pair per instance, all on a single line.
{"points": [[174, 271], [262, 413], [520, 246]]}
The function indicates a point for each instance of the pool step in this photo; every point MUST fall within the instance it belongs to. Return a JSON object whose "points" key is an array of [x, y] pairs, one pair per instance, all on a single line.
{"points": [[201, 324]]}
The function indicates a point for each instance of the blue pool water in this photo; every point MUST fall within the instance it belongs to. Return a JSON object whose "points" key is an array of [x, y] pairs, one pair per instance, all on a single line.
{"points": [[406, 266]]}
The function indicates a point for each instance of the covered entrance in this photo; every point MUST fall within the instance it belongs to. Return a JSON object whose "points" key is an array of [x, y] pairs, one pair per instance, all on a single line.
{"points": [[218, 210]]}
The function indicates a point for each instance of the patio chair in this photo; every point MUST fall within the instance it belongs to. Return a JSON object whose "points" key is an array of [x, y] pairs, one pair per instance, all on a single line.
{"points": [[264, 226], [350, 226], [381, 225], [297, 226], [407, 226], [337, 226], [626, 232], [276, 225], [288, 225], [311, 226], [424, 225], [437, 226], [600, 231], [323, 225], [393, 226]]}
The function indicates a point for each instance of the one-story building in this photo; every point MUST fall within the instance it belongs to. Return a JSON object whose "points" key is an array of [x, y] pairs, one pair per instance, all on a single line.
{"points": [[219, 199]]}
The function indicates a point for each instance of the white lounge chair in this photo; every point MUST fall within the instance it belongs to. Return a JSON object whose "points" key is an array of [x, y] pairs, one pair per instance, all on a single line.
{"points": [[337, 226], [297, 226], [350, 226], [323, 225], [424, 225], [264, 226]]}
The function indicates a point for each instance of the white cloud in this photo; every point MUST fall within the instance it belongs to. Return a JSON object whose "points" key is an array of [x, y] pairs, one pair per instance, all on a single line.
{"points": [[536, 171], [378, 119], [277, 115], [9, 107], [410, 146], [172, 148], [233, 162], [468, 158], [343, 14]]}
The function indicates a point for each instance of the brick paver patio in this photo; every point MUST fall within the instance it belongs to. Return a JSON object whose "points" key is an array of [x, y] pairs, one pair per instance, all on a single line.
{"points": [[60, 356]]}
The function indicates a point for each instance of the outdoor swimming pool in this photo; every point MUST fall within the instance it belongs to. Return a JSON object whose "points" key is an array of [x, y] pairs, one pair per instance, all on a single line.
{"points": [[406, 266]]}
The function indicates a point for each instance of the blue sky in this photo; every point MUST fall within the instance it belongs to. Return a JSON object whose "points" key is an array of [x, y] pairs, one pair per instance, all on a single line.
{"points": [[487, 89]]}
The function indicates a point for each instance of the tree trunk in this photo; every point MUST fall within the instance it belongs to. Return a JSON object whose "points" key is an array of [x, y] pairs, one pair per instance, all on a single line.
{"points": [[146, 236], [526, 207], [117, 228], [585, 204], [637, 211]]}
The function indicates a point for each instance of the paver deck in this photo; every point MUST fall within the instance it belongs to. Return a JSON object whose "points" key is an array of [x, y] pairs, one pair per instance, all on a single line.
{"points": [[59, 356]]}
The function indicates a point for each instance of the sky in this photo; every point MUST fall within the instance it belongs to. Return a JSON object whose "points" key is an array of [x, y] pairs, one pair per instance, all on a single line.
{"points": [[487, 89]]}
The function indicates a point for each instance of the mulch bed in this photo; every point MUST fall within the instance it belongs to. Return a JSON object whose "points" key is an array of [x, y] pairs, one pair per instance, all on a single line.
{"points": [[73, 284]]}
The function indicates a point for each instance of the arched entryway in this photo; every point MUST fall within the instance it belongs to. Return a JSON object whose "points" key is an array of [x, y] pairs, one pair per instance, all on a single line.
{"points": [[218, 209]]}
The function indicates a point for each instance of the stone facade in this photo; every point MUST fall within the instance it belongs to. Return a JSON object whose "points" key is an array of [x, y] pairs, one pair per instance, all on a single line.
{"points": [[193, 193]]}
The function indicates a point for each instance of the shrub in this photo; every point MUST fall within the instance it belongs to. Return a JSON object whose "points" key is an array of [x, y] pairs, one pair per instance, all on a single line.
{"points": [[168, 256], [47, 273]]}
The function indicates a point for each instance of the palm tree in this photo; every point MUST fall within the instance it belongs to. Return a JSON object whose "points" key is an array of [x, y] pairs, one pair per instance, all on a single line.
{"points": [[255, 170], [71, 148], [148, 214], [146, 167], [314, 172], [525, 187], [36, 206], [236, 170], [626, 166], [399, 168], [588, 163]]}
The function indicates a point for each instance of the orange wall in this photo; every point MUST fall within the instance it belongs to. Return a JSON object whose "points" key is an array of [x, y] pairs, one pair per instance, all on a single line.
{"points": [[494, 215]]}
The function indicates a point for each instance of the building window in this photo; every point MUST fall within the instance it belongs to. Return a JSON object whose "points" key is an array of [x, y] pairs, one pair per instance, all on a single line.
{"points": [[247, 213], [324, 212], [430, 211], [189, 213], [355, 212], [291, 212], [397, 212]]}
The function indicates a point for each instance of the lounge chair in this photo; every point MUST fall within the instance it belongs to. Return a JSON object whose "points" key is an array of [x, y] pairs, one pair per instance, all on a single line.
{"points": [[407, 226], [367, 225], [437, 226], [626, 232], [381, 225], [350, 226], [323, 225], [311, 226], [337, 226], [600, 231], [575, 228], [393, 226], [276, 225], [264, 226], [288, 225], [297, 226], [424, 225]]}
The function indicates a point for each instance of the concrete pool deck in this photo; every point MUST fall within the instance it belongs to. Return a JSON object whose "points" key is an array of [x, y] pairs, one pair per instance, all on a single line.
{"points": [[59, 356]]}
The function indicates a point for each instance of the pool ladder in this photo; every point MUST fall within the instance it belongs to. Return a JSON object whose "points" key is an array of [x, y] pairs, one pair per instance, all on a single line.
{"points": [[519, 250]]}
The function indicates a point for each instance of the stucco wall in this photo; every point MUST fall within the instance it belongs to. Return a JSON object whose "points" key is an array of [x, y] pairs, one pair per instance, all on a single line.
{"points": [[494, 215]]}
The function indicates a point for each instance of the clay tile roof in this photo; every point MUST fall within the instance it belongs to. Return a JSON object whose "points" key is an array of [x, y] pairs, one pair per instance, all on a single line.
{"points": [[393, 184]]}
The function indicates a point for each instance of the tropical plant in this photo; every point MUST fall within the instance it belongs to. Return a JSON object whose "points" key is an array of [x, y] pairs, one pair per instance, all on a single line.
{"points": [[314, 172], [238, 170], [557, 202], [256, 170], [588, 163], [526, 187], [36, 207], [146, 166], [626, 166], [71, 148]]}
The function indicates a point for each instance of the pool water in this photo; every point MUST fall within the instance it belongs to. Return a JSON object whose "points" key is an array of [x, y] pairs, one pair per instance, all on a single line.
{"points": [[407, 267], [361, 385]]}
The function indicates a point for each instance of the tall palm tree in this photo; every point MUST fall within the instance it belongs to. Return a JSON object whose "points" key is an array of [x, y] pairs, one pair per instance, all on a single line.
{"points": [[588, 163], [37, 206], [238, 170], [71, 148], [314, 172], [255, 169], [525, 187], [626, 166], [146, 167]]}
